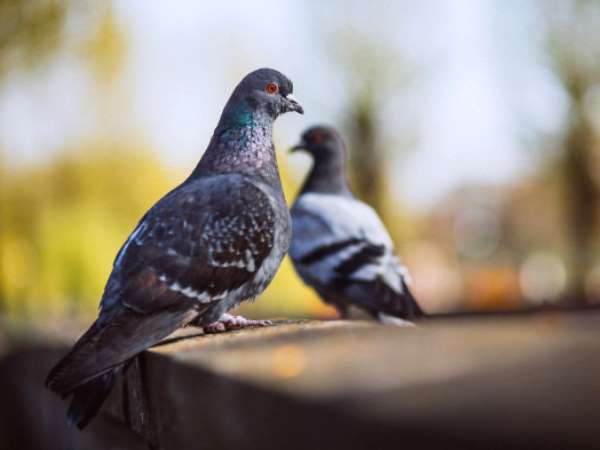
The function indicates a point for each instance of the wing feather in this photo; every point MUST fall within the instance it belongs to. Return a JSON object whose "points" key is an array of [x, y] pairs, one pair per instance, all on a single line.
{"points": [[337, 237], [194, 246]]}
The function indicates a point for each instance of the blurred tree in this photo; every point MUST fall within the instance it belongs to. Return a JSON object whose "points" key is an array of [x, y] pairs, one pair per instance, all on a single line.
{"points": [[55, 230], [29, 31], [371, 72], [105, 48], [63, 223], [574, 48], [374, 73]]}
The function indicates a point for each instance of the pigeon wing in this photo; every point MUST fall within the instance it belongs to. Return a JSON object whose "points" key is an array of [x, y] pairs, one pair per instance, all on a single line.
{"points": [[195, 246], [335, 235], [342, 248], [201, 242]]}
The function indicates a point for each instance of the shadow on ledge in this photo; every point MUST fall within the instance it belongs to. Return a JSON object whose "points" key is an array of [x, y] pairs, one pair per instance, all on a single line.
{"points": [[530, 381]]}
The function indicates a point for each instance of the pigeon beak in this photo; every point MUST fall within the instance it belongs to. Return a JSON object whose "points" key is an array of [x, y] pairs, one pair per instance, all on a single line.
{"points": [[299, 146], [293, 105]]}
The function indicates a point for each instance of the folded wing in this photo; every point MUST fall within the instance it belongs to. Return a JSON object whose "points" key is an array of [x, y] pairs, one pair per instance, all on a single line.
{"points": [[202, 242]]}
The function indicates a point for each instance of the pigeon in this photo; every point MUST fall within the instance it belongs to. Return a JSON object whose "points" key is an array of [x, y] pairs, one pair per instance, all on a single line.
{"points": [[339, 245], [214, 241]]}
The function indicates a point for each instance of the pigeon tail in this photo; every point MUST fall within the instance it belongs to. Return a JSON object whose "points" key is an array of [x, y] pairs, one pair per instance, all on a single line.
{"points": [[58, 379], [411, 303], [392, 304], [89, 397], [103, 348]]}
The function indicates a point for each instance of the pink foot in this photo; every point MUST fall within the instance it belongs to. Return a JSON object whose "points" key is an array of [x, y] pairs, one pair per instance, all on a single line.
{"points": [[229, 322]]}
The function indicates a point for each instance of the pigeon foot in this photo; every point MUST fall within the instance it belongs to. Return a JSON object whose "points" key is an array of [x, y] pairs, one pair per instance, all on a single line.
{"points": [[229, 322]]}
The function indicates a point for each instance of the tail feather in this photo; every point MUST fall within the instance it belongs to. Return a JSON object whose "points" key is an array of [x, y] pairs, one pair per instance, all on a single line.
{"points": [[105, 347], [413, 308], [55, 379], [90, 369], [89, 397], [397, 304]]}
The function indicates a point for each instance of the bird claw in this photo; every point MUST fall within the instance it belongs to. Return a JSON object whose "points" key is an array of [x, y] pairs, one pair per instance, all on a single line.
{"points": [[229, 322]]}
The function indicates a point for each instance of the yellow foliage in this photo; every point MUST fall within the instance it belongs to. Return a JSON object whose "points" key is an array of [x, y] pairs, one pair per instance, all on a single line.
{"points": [[62, 225], [30, 31], [106, 48]]}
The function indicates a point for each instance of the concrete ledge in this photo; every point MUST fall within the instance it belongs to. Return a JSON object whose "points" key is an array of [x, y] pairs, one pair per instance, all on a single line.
{"points": [[501, 382]]}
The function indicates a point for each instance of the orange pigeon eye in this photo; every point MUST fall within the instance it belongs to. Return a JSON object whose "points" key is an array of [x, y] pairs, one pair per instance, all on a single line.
{"points": [[318, 138], [272, 88]]}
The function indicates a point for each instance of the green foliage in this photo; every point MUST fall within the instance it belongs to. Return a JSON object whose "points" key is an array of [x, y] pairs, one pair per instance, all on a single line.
{"points": [[62, 225], [29, 31]]}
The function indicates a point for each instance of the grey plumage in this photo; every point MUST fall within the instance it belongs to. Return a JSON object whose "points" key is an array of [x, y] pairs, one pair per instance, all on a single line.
{"points": [[339, 245], [212, 242]]}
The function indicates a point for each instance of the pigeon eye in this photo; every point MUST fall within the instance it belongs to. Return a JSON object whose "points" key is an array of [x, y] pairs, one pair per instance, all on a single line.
{"points": [[272, 88], [318, 138]]}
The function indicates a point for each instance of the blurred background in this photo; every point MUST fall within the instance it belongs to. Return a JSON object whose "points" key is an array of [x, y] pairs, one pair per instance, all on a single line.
{"points": [[473, 127]]}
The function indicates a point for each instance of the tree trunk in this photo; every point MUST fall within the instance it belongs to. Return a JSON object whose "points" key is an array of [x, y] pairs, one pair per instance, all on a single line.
{"points": [[582, 201]]}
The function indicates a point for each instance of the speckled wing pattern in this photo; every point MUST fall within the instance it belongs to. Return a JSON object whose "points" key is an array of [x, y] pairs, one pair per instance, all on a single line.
{"points": [[197, 245], [200, 243]]}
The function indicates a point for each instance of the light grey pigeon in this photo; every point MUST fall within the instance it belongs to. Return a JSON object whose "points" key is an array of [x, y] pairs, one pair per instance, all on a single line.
{"points": [[339, 245], [212, 242]]}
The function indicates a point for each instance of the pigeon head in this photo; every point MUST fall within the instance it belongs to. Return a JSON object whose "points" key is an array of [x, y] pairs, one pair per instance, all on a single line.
{"points": [[322, 142], [261, 95], [327, 148]]}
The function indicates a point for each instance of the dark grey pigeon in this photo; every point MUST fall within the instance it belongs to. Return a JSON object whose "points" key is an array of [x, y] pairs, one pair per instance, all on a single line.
{"points": [[339, 245], [212, 242]]}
